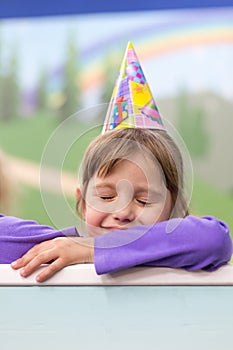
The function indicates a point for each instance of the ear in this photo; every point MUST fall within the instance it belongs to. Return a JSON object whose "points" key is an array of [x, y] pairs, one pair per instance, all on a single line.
{"points": [[81, 201], [78, 193]]}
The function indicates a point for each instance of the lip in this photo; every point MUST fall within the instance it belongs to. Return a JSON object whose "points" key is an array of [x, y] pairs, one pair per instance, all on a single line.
{"points": [[115, 228]]}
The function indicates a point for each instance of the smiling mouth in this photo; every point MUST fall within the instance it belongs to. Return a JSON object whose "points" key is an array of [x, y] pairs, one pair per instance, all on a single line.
{"points": [[115, 228]]}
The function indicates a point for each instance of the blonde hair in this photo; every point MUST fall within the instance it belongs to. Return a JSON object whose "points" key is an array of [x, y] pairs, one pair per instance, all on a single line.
{"points": [[5, 184], [107, 150]]}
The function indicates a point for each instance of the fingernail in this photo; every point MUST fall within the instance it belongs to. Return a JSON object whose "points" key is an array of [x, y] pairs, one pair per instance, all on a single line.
{"points": [[22, 273], [38, 279], [14, 263]]}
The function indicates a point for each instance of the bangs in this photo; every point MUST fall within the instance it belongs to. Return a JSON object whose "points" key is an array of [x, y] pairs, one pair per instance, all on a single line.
{"points": [[108, 167], [108, 154]]}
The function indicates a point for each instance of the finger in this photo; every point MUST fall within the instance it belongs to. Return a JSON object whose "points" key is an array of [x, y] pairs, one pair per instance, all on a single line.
{"points": [[37, 261], [17, 264], [50, 270], [27, 257]]}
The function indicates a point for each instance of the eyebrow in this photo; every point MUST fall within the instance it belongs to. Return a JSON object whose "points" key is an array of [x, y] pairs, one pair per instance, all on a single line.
{"points": [[151, 192], [104, 185]]}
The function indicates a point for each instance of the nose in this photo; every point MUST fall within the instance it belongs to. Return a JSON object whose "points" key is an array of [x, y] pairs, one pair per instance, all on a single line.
{"points": [[125, 215]]}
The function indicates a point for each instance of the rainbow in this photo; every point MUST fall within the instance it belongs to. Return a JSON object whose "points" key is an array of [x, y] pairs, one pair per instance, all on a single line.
{"points": [[154, 40]]}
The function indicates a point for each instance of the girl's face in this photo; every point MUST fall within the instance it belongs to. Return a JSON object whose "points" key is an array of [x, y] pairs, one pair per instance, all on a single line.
{"points": [[133, 194]]}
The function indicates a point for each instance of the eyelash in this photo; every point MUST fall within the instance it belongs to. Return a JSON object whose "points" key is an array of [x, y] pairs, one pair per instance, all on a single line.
{"points": [[108, 198], [146, 204]]}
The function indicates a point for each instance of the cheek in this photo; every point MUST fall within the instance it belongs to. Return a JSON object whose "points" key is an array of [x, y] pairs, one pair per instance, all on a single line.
{"points": [[150, 215], [93, 217], [157, 213], [166, 211]]}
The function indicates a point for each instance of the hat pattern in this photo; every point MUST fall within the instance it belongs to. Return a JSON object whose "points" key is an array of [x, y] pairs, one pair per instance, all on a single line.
{"points": [[132, 104]]}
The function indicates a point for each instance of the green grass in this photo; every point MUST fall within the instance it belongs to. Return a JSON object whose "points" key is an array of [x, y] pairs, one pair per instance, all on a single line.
{"points": [[29, 205], [26, 138], [207, 200]]}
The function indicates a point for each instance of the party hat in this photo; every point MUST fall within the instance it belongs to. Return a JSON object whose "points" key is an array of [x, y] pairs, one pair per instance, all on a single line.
{"points": [[132, 104]]}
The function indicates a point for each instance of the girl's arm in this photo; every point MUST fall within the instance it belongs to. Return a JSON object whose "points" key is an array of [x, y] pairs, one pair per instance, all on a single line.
{"points": [[17, 236], [191, 243]]}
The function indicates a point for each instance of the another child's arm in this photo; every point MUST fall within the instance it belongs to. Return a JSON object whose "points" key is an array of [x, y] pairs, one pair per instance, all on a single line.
{"points": [[194, 243]]}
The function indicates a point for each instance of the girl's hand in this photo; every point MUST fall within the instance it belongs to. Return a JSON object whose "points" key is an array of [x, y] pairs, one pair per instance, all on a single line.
{"points": [[62, 251]]}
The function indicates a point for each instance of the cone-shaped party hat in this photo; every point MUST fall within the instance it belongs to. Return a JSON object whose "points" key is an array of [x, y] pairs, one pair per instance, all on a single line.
{"points": [[132, 104]]}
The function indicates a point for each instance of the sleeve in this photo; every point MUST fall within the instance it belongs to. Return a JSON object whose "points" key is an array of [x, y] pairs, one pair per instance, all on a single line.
{"points": [[17, 236], [191, 243]]}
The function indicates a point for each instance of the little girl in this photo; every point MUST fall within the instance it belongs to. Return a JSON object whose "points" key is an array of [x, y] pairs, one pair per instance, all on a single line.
{"points": [[131, 198], [131, 188]]}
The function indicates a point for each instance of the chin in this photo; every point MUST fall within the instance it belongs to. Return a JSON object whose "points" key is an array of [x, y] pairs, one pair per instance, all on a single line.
{"points": [[97, 231]]}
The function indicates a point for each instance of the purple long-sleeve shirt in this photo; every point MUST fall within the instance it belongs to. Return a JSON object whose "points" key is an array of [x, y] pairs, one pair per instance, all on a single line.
{"points": [[191, 243]]}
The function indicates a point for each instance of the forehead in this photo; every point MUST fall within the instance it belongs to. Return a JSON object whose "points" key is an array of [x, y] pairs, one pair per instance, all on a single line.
{"points": [[137, 169]]}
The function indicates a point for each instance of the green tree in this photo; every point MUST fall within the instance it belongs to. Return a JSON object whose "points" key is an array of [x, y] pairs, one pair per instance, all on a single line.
{"points": [[1, 80], [10, 91], [42, 90], [110, 71], [71, 87], [191, 125]]}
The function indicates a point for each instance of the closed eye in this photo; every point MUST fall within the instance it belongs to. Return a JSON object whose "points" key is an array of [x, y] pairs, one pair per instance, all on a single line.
{"points": [[107, 198], [145, 203]]}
